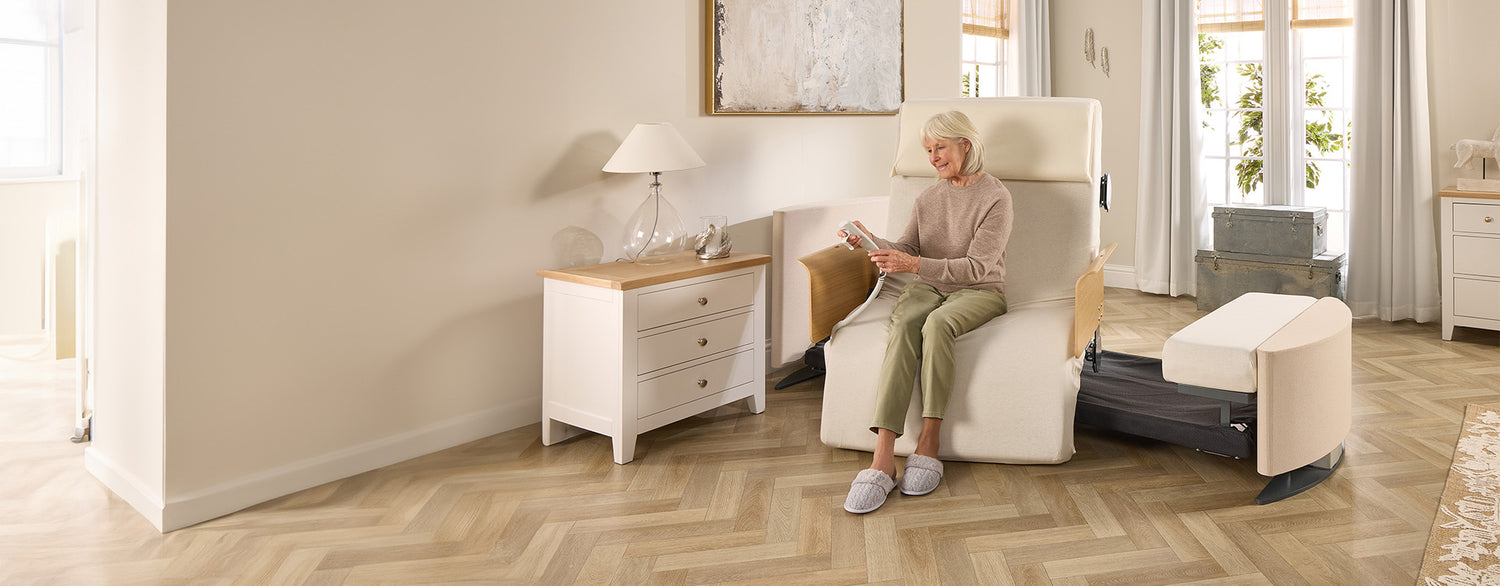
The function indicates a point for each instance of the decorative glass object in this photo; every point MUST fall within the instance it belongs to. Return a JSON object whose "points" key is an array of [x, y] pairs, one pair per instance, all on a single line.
{"points": [[712, 240], [654, 234]]}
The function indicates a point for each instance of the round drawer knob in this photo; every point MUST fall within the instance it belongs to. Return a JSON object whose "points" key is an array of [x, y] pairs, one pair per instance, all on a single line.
{"points": [[704, 300], [702, 341], [702, 383], [1488, 219]]}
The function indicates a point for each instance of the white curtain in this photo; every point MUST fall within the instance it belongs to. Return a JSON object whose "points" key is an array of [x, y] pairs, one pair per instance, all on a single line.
{"points": [[1033, 48], [1171, 204], [1393, 266]]}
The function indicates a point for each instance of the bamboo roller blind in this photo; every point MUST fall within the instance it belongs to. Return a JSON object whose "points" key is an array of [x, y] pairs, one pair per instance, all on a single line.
{"points": [[1228, 16], [987, 18]]}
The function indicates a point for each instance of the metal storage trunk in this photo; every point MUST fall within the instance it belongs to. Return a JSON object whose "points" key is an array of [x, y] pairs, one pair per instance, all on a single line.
{"points": [[1223, 276], [1291, 231]]}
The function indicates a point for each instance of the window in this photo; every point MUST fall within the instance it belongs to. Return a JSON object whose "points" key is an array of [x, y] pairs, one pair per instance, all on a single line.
{"points": [[985, 32], [30, 88], [1277, 79]]}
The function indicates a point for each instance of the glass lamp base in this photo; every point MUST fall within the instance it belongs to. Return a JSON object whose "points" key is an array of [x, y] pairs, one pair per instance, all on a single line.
{"points": [[654, 234]]}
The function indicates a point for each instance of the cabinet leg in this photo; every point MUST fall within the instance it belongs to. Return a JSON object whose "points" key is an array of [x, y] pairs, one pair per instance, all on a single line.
{"points": [[554, 431], [624, 448], [758, 401], [1447, 331]]}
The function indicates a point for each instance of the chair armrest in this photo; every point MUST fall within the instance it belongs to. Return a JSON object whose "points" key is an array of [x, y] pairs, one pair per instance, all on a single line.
{"points": [[838, 281], [1088, 302], [797, 231]]}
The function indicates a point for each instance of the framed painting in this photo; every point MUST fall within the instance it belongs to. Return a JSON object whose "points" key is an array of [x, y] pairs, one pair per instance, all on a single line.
{"points": [[804, 56]]}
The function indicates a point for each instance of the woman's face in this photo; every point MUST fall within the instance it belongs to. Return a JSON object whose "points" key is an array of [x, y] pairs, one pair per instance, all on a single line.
{"points": [[947, 156]]}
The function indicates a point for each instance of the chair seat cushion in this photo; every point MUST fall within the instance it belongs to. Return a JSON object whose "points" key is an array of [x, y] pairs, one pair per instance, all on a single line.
{"points": [[1218, 350], [1014, 392]]}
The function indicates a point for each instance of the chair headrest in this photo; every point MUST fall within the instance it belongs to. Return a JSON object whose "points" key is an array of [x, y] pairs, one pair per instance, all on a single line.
{"points": [[1032, 139]]}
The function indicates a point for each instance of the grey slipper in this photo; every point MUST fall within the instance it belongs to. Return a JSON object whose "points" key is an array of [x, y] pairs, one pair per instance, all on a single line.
{"points": [[868, 491], [921, 476]]}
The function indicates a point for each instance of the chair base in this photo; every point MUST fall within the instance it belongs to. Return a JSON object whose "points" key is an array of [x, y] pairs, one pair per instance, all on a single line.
{"points": [[801, 375], [1297, 481], [815, 366]]}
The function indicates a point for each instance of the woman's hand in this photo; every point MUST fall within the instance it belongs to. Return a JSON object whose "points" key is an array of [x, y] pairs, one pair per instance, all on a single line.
{"points": [[853, 239], [894, 261]]}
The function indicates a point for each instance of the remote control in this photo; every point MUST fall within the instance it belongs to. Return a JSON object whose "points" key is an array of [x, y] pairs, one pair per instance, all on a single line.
{"points": [[865, 241]]}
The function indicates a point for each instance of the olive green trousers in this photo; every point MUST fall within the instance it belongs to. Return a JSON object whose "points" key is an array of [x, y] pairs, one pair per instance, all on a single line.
{"points": [[924, 326]]}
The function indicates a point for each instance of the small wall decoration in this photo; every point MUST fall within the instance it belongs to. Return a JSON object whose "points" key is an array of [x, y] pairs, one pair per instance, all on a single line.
{"points": [[1088, 46], [1104, 60], [804, 56]]}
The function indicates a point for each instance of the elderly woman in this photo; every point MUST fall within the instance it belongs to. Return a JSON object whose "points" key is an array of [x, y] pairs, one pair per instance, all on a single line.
{"points": [[955, 244]]}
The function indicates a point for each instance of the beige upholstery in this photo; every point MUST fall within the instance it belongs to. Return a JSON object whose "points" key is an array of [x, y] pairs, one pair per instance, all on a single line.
{"points": [[1292, 353], [1218, 350], [1033, 138], [1305, 399], [1016, 380]]}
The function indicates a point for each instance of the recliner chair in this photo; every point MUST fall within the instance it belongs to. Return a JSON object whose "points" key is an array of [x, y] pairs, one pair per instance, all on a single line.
{"points": [[1017, 377]]}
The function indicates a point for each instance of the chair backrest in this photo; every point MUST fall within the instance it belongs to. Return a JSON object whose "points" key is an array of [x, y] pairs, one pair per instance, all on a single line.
{"points": [[1047, 151]]}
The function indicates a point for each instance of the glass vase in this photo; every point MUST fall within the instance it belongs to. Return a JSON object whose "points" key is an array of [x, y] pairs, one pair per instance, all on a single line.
{"points": [[654, 234]]}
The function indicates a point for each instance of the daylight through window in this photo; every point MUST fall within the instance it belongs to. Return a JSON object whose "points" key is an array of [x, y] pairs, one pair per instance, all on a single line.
{"points": [[985, 29], [1247, 48], [30, 88]]}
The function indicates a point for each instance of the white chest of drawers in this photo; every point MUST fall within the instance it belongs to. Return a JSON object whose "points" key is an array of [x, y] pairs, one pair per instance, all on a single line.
{"points": [[1471, 259], [628, 348]]}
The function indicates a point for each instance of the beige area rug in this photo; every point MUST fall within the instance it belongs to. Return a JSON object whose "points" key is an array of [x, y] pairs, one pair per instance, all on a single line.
{"points": [[1464, 544]]}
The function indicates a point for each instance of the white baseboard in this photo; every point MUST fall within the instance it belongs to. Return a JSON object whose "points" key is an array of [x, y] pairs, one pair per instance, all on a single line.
{"points": [[277, 482], [1121, 276], [124, 485]]}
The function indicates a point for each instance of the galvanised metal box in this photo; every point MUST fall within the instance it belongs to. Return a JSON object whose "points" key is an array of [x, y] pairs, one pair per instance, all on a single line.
{"points": [[1290, 231], [1224, 276]]}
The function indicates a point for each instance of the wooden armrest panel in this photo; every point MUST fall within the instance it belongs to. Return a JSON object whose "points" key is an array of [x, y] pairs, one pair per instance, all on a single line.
{"points": [[839, 280], [1088, 302]]}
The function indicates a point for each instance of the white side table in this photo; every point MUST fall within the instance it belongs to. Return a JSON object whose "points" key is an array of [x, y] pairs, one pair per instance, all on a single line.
{"points": [[1470, 245], [627, 348]]}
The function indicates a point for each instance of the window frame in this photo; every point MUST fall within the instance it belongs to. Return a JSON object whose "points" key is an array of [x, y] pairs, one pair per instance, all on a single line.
{"points": [[984, 19], [980, 64], [53, 167], [1285, 115]]}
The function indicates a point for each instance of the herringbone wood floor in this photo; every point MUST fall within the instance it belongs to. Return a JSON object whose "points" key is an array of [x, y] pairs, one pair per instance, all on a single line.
{"points": [[730, 496]]}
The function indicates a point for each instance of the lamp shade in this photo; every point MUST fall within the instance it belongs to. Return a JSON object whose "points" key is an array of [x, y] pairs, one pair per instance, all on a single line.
{"points": [[652, 148]]}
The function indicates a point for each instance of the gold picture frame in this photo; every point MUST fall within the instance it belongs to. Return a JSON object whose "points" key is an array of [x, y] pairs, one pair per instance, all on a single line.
{"points": [[791, 57]]}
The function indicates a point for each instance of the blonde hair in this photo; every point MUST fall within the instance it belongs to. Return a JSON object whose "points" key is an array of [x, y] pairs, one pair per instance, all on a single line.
{"points": [[954, 125]]}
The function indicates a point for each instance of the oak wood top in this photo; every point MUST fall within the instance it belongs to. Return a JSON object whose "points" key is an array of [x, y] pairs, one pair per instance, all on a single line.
{"points": [[623, 276], [1451, 191]]}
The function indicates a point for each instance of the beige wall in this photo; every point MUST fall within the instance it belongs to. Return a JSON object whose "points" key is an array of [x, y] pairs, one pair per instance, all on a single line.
{"points": [[24, 209], [1117, 25], [355, 196], [330, 238], [128, 447], [1464, 88]]}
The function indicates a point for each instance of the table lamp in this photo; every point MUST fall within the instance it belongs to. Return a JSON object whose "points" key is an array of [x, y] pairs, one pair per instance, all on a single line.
{"points": [[654, 234]]}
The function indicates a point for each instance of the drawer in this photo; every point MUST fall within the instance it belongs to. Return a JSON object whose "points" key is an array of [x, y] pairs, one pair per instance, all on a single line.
{"points": [[1476, 217], [696, 341], [689, 301], [1475, 298], [695, 382], [1476, 256]]}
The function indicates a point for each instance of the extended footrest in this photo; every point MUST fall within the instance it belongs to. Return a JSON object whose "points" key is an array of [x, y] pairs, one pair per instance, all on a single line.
{"points": [[1265, 374]]}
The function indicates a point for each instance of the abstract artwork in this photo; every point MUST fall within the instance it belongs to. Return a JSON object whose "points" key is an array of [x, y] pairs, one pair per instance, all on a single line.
{"points": [[804, 56]]}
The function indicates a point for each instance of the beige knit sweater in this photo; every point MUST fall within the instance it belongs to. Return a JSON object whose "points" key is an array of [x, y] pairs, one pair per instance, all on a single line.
{"points": [[960, 235]]}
